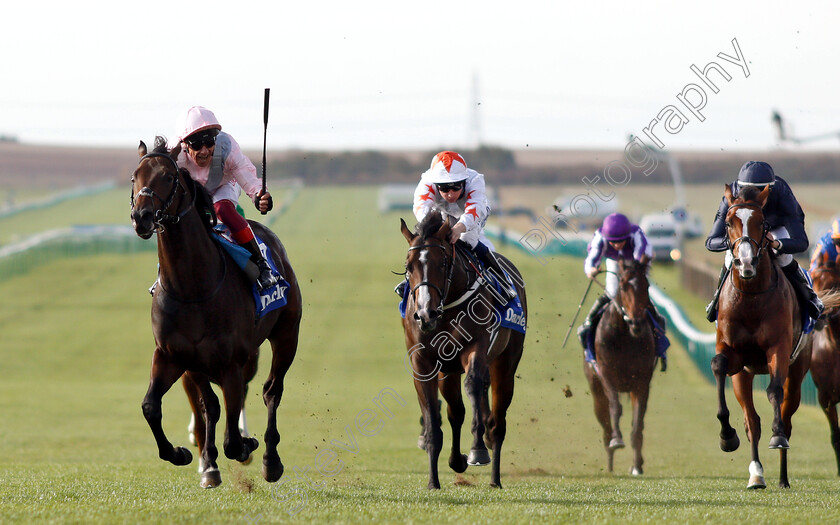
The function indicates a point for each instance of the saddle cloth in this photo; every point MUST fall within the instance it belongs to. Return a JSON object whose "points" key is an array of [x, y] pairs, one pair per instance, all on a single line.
{"points": [[269, 299]]}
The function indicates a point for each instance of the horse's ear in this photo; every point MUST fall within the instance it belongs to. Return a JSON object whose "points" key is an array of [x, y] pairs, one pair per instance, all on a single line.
{"points": [[406, 232], [443, 231], [141, 149], [173, 153], [762, 197], [727, 191]]}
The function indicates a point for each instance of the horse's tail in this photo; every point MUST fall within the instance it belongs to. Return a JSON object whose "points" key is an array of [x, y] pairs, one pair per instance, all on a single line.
{"points": [[830, 298]]}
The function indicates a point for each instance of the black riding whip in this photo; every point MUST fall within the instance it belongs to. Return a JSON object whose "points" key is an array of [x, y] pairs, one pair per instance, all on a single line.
{"points": [[265, 134], [572, 324]]}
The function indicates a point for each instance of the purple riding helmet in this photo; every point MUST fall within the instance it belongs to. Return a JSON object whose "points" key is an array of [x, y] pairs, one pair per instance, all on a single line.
{"points": [[616, 227]]}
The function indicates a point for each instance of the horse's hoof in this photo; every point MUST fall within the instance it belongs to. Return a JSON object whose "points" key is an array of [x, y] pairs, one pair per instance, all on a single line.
{"points": [[616, 443], [248, 460], [272, 473], [458, 463], [636, 471], [496, 485], [211, 479], [181, 456], [756, 482], [730, 444], [478, 457], [779, 442]]}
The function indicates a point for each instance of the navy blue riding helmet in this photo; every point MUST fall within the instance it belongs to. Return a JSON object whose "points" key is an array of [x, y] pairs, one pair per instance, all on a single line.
{"points": [[756, 173]]}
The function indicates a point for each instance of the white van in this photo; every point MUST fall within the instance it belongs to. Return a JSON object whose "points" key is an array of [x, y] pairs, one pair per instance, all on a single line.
{"points": [[663, 234]]}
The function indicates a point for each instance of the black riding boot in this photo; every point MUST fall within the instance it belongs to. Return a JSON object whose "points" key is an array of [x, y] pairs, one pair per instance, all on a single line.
{"points": [[711, 308], [491, 263], [660, 320], [804, 292], [266, 279], [592, 318]]}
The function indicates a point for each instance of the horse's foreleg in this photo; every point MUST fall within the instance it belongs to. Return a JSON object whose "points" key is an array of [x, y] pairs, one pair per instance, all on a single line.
{"points": [[616, 439], [283, 348], [640, 400], [830, 410], [729, 441], [428, 400], [163, 376], [450, 388], [476, 385], [233, 388], [742, 387], [602, 410], [790, 403]]}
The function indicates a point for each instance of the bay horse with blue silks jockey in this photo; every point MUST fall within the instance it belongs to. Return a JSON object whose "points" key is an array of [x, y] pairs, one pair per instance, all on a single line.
{"points": [[759, 331], [825, 353], [203, 318], [449, 331], [625, 359]]}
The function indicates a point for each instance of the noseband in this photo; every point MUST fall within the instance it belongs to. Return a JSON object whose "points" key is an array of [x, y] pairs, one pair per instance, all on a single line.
{"points": [[450, 266], [759, 246], [161, 217]]}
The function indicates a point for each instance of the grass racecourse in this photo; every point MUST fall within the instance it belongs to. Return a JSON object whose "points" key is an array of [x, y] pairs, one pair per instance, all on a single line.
{"points": [[75, 348]]}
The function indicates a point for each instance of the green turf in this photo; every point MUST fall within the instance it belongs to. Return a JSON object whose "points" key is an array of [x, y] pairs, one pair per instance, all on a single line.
{"points": [[74, 447]]}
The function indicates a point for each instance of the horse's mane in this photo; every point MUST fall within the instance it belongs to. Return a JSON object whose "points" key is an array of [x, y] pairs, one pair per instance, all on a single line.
{"points": [[203, 202], [430, 224]]}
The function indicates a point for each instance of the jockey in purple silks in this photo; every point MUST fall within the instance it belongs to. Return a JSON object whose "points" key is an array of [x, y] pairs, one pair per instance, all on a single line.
{"points": [[616, 239]]}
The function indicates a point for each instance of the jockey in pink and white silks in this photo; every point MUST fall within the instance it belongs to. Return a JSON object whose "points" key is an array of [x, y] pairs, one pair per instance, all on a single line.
{"points": [[215, 160]]}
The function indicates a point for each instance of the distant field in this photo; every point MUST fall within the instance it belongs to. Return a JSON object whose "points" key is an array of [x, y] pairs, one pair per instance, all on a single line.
{"points": [[74, 446]]}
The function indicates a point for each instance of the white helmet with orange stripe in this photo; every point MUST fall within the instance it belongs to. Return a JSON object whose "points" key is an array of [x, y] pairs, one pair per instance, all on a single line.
{"points": [[447, 167]]}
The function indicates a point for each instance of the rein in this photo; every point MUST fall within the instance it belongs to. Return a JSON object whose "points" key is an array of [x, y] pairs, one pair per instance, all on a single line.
{"points": [[161, 218], [759, 246], [450, 269]]}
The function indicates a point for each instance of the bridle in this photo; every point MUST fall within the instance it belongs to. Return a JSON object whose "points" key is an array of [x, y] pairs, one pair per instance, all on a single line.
{"points": [[617, 300], [759, 246], [161, 217], [450, 267]]}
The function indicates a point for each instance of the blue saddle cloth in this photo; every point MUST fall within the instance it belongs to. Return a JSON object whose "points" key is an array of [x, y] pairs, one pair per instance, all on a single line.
{"points": [[660, 340], [510, 315], [269, 299]]}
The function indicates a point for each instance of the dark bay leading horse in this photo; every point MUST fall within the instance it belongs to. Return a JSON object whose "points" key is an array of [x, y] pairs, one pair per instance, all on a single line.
{"points": [[450, 329], [625, 353], [203, 318], [825, 353], [758, 331]]}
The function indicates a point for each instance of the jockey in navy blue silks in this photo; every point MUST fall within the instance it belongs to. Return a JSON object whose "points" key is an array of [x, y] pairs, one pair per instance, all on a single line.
{"points": [[786, 224], [616, 239]]}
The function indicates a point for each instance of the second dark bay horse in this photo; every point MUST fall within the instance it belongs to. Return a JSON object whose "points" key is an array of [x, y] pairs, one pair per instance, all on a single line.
{"points": [[451, 329]]}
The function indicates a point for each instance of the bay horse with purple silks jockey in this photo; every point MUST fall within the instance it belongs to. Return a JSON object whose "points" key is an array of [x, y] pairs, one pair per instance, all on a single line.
{"points": [[825, 353], [758, 332], [203, 318], [448, 335], [625, 355]]}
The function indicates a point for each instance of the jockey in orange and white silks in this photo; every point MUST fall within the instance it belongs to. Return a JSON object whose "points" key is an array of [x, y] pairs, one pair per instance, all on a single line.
{"points": [[458, 191], [215, 160], [449, 170]]}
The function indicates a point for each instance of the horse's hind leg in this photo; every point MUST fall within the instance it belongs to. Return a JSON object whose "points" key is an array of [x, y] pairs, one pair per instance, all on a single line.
{"points": [[196, 427], [729, 441], [792, 398], [476, 386], [163, 376], [830, 410], [284, 340], [602, 411], [450, 388], [210, 412], [502, 375]]}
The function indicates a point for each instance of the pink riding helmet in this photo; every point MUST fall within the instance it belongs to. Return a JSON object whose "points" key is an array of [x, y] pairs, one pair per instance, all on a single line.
{"points": [[195, 119]]}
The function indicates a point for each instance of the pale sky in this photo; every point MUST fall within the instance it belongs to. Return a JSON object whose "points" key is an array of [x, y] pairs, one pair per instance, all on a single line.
{"points": [[396, 75]]}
